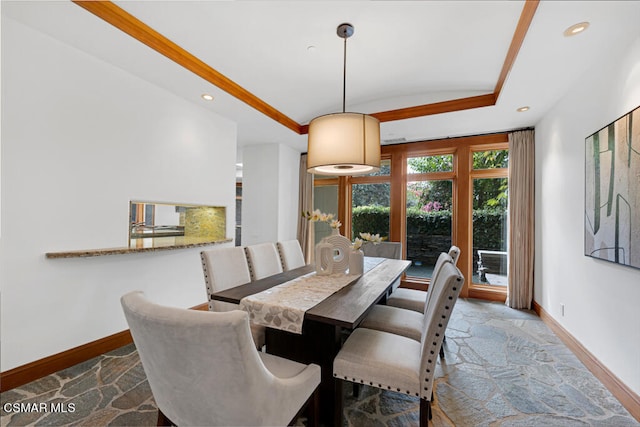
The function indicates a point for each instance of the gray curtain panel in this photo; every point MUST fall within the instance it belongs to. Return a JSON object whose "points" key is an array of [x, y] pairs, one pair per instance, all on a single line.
{"points": [[521, 218]]}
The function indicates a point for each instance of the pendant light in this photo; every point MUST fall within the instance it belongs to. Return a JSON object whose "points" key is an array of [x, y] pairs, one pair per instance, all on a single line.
{"points": [[344, 143]]}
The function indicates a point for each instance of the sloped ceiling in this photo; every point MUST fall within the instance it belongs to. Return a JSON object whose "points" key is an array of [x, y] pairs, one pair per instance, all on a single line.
{"points": [[403, 54]]}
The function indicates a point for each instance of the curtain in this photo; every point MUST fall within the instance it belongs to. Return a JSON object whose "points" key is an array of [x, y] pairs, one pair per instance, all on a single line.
{"points": [[305, 203], [521, 218]]}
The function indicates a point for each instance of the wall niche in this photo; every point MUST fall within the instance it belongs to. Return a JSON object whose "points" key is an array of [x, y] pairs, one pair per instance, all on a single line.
{"points": [[158, 224]]}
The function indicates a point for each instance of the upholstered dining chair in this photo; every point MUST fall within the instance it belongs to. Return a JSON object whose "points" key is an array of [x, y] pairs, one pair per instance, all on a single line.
{"points": [[414, 299], [264, 260], [400, 321], [391, 250], [291, 255], [226, 268], [203, 369], [400, 364]]}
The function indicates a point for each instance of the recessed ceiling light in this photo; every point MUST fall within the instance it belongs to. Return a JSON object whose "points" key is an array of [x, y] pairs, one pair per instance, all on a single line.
{"points": [[576, 29], [311, 49], [522, 109], [207, 97]]}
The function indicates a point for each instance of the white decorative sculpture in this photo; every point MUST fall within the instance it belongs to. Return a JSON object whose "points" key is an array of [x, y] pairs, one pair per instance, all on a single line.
{"points": [[335, 260]]}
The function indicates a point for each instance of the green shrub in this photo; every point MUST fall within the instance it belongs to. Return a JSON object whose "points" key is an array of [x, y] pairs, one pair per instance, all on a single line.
{"points": [[429, 233], [370, 219]]}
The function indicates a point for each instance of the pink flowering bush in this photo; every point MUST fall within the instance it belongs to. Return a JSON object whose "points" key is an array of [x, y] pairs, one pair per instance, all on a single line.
{"points": [[432, 207]]}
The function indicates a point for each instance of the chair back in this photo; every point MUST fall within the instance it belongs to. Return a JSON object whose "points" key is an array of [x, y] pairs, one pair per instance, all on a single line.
{"points": [[442, 260], [224, 268], [291, 255], [444, 293], [264, 260], [202, 367], [391, 250], [454, 253]]}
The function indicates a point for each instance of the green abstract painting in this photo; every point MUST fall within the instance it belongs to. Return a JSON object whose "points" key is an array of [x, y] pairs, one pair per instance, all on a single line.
{"points": [[612, 192]]}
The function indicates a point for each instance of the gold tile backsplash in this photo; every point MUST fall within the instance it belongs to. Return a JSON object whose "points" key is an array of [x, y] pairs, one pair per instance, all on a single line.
{"points": [[205, 222]]}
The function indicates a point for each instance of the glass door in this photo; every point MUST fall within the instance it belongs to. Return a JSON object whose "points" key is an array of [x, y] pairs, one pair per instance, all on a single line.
{"points": [[429, 212]]}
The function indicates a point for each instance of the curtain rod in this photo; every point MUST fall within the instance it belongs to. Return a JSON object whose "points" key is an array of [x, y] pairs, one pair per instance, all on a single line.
{"points": [[465, 136]]}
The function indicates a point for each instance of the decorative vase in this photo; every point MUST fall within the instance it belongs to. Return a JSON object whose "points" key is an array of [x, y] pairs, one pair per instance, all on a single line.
{"points": [[324, 257], [356, 262]]}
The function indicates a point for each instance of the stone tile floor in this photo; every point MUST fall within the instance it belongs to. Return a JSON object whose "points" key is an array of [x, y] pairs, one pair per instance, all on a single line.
{"points": [[502, 367]]}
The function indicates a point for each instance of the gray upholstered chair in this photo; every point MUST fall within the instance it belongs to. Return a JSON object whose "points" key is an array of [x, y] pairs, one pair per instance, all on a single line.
{"points": [[391, 250], [291, 255], [204, 370], [226, 268], [397, 363], [400, 321], [414, 299], [264, 260]]}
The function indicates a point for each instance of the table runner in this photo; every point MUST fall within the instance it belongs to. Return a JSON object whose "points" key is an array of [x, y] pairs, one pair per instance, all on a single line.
{"points": [[283, 306]]}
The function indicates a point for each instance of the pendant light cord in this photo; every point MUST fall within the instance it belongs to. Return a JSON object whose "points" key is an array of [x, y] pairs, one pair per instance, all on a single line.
{"points": [[344, 76]]}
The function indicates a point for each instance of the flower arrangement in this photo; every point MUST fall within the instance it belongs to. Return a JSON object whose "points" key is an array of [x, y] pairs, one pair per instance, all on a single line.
{"points": [[318, 216], [366, 237]]}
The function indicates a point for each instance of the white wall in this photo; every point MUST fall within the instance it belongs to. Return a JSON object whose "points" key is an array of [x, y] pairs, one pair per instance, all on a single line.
{"points": [[81, 138], [601, 298], [259, 194], [270, 185]]}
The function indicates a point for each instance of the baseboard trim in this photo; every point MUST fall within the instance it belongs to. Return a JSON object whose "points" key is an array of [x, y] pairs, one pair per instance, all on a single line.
{"points": [[626, 396], [41, 368]]}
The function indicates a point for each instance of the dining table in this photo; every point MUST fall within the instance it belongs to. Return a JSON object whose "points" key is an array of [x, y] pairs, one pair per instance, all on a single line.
{"points": [[328, 323]]}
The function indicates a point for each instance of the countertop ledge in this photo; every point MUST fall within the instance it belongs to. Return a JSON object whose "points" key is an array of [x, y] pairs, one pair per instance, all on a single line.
{"points": [[192, 243]]}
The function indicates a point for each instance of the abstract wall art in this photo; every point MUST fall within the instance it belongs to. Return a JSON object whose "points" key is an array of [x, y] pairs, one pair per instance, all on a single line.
{"points": [[612, 192]]}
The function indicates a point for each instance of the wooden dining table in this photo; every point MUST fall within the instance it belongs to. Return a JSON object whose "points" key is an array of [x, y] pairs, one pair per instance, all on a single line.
{"points": [[327, 324]]}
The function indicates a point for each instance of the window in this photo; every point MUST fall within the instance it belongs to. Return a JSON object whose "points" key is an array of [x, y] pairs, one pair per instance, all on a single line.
{"points": [[325, 198], [490, 197], [429, 209], [371, 202], [430, 195]]}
